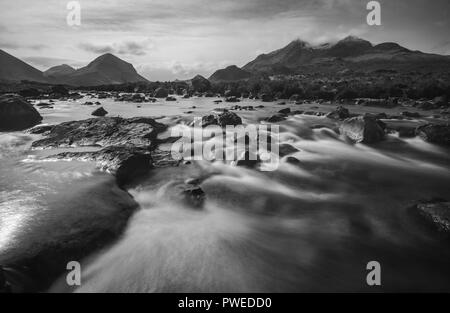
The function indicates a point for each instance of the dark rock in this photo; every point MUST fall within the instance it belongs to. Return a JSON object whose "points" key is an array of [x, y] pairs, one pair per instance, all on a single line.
{"points": [[194, 196], [267, 97], [441, 101], [222, 120], [161, 93], [437, 213], [46, 107], [104, 131], [99, 112], [427, 105], [171, 99], [232, 99], [229, 118], [30, 93], [292, 160], [125, 162], [406, 132], [411, 114], [365, 129], [43, 104], [279, 117], [381, 116], [285, 111], [339, 113], [439, 134], [286, 149], [248, 160], [232, 93], [17, 114], [60, 91]]}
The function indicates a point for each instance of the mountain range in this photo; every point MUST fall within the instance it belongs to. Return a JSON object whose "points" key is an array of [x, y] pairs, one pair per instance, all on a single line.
{"points": [[350, 53], [107, 69], [298, 57]]}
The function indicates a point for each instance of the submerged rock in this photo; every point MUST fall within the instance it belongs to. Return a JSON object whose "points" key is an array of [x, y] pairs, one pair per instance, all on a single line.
{"points": [[363, 129], [17, 114], [439, 134], [104, 131], [99, 112], [125, 162]]}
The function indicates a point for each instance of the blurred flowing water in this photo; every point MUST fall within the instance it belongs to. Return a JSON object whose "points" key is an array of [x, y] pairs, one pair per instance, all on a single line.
{"points": [[311, 226]]}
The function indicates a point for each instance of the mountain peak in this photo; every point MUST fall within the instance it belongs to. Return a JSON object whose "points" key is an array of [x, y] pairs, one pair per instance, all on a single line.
{"points": [[230, 73], [352, 38], [299, 43], [59, 71]]}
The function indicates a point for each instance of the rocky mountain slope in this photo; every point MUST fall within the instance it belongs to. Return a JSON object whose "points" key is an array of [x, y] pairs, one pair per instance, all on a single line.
{"points": [[351, 53]]}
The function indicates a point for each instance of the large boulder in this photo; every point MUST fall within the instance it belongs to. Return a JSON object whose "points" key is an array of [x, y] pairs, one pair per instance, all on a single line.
{"points": [[99, 112], [17, 114], [267, 97], [278, 117], [363, 129], [439, 134], [222, 120], [104, 131], [285, 111], [161, 93]]}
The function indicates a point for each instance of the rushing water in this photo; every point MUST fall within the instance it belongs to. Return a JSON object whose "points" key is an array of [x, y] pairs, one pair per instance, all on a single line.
{"points": [[311, 226]]}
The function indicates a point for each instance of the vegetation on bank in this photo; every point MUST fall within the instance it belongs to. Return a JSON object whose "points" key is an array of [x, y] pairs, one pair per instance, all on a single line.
{"points": [[376, 85]]}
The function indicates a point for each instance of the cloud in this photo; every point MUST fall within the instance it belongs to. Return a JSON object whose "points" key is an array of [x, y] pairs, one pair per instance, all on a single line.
{"points": [[14, 46], [178, 70], [137, 48]]}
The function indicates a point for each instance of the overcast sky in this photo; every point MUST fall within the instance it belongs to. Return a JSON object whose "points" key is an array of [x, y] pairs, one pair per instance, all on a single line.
{"points": [[168, 39]]}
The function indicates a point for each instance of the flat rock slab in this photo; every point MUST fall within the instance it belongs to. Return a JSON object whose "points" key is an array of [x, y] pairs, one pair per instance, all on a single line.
{"points": [[104, 131]]}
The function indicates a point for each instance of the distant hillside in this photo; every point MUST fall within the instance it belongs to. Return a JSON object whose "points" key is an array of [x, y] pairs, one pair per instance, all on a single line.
{"points": [[230, 73], [107, 69], [59, 71], [13, 69], [350, 53]]}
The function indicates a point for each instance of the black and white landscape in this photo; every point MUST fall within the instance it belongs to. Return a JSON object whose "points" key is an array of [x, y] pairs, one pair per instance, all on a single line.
{"points": [[87, 174]]}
